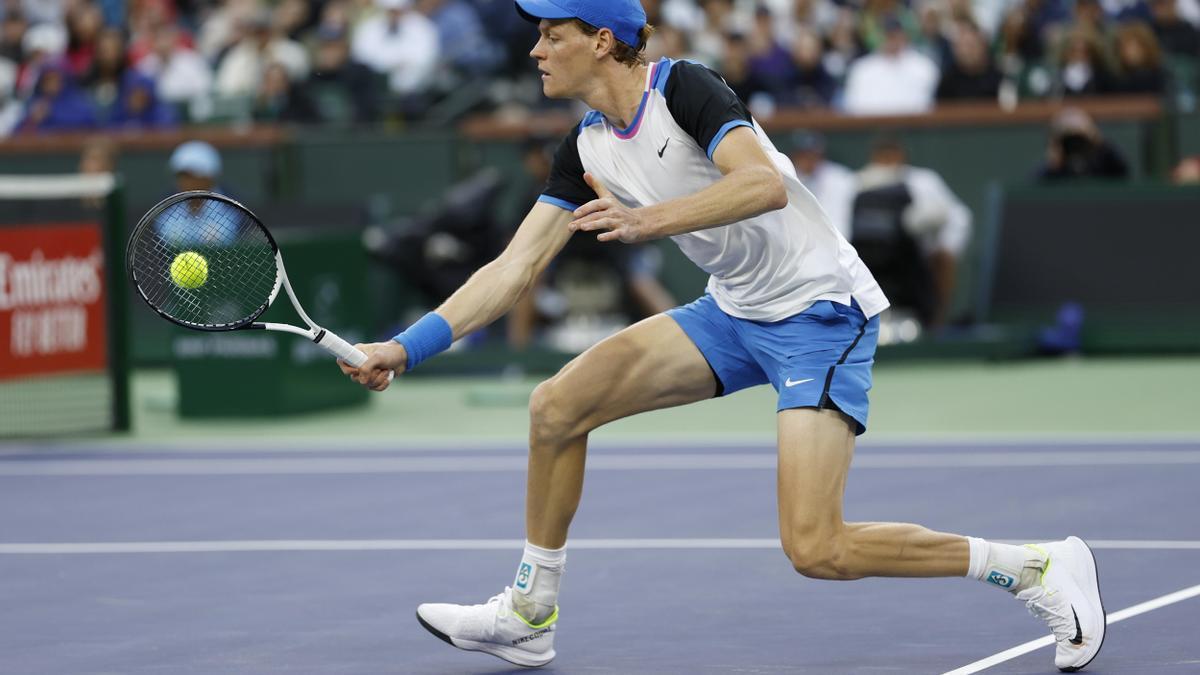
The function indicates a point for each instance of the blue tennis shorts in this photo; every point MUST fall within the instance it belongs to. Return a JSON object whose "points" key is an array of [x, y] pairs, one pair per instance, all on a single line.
{"points": [[819, 358]]}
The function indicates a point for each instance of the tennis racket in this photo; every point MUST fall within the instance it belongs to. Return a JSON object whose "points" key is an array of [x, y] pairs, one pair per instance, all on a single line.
{"points": [[204, 261]]}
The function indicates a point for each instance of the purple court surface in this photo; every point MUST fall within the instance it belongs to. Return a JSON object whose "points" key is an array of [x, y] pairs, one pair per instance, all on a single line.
{"points": [[313, 561]]}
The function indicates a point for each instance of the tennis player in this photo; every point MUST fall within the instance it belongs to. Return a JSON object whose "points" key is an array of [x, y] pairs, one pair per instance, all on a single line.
{"points": [[668, 150]]}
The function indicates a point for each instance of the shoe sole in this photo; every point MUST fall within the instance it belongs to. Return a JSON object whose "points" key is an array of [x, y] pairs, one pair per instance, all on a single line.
{"points": [[1094, 573], [514, 656]]}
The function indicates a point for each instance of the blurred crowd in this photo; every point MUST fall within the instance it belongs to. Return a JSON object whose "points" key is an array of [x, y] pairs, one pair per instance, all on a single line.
{"points": [[96, 64]]}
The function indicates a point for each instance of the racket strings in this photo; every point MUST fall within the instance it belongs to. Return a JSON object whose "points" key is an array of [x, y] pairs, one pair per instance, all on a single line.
{"points": [[235, 279]]}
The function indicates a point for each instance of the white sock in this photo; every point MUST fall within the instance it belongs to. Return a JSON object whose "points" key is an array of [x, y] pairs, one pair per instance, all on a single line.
{"points": [[535, 590], [1013, 568]]}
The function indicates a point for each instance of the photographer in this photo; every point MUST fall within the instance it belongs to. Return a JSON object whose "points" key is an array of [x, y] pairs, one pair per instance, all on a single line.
{"points": [[1078, 150]]}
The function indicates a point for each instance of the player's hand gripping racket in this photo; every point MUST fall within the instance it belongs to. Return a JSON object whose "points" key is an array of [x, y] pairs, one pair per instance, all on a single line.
{"points": [[204, 261]]}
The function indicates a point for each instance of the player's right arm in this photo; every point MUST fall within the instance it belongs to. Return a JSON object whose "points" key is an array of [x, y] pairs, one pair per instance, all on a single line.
{"points": [[488, 295], [496, 287]]}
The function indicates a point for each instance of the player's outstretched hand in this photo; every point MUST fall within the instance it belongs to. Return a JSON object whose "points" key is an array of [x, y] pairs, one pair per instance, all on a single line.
{"points": [[606, 213], [383, 358]]}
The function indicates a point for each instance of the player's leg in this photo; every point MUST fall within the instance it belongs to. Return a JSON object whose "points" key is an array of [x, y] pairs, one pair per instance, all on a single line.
{"points": [[815, 449], [650, 365], [1057, 581]]}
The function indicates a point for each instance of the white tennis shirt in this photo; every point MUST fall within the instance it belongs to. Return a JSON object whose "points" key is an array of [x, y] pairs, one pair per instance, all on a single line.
{"points": [[765, 268]]}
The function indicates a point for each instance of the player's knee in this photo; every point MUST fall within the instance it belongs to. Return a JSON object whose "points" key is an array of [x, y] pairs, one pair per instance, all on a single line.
{"points": [[818, 557], [550, 413]]}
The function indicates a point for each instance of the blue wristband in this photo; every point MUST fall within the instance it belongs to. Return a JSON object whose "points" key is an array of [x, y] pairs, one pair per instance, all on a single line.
{"points": [[428, 337]]}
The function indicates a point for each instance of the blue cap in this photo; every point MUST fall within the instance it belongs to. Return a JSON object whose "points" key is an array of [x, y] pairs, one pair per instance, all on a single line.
{"points": [[624, 18], [197, 158]]}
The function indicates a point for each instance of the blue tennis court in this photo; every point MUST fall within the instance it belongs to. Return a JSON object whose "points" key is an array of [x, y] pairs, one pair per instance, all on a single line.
{"points": [[241, 561]]}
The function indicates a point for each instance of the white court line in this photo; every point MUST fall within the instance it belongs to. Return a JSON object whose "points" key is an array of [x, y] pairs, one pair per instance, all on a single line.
{"points": [[1114, 617], [598, 462], [317, 545]]}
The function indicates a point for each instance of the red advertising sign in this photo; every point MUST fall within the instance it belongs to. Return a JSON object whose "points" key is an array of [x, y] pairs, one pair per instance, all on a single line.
{"points": [[52, 316]]}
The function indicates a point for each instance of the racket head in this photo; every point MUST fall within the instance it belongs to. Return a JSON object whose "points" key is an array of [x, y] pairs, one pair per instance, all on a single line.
{"points": [[235, 278]]}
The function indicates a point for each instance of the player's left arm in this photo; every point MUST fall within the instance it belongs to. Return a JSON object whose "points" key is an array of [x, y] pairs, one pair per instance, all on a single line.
{"points": [[750, 185]]}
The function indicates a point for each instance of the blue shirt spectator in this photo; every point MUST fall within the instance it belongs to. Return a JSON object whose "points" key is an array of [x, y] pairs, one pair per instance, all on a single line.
{"points": [[465, 44], [57, 104]]}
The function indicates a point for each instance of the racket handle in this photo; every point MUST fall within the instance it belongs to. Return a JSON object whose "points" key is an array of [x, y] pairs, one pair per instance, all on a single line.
{"points": [[343, 350]]}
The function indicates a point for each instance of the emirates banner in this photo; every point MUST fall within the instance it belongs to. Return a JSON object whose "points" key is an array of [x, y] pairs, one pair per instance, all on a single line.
{"points": [[52, 300]]}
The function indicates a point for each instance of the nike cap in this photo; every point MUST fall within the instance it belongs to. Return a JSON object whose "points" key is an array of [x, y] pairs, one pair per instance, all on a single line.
{"points": [[624, 18]]}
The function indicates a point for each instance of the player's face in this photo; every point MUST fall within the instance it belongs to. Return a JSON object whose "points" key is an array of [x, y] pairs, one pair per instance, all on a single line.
{"points": [[563, 54]]}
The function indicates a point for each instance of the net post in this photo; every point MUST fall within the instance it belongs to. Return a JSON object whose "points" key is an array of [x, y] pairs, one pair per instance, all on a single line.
{"points": [[115, 235]]}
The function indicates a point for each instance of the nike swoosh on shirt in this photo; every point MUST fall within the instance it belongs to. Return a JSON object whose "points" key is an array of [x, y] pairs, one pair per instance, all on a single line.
{"points": [[789, 383], [664, 148]]}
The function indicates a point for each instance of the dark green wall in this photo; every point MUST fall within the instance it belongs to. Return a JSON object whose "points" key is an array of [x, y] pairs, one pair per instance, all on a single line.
{"points": [[398, 173]]}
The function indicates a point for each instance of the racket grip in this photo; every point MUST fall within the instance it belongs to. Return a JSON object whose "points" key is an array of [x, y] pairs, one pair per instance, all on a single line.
{"points": [[340, 348], [343, 350]]}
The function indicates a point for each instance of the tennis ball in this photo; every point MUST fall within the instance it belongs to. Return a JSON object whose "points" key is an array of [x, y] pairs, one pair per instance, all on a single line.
{"points": [[189, 270]]}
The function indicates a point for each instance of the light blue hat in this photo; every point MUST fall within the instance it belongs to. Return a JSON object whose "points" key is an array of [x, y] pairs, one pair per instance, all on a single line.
{"points": [[197, 158]]}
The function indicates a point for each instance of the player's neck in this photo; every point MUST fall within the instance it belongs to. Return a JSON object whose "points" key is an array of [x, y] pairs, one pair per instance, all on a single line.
{"points": [[617, 93]]}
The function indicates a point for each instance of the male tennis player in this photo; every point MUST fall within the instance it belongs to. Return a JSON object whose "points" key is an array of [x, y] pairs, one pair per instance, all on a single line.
{"points": [[669, 151]]}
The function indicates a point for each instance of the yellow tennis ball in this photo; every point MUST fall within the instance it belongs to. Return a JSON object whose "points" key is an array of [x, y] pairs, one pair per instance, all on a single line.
{"points": [[189, 270]]}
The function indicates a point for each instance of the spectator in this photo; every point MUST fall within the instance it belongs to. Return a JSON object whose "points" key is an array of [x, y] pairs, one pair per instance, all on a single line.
{"points": [[931, 39], [880, 17], [844, 46], [277, 100], [138, 106], [242, 68], [895, 80], [1019, 55], [58, 104], [668, 41], [514, 35], [813, 86], [398, 42], [147, 20], [12, 32], [911, 231], [466, 47], [770, 64], [43, 46], [1046, 16], [224, 26], [98, 156], [1091, 17], [708, 41], [182, 76], [1082, 67], [342, 91], [1187, 172], [832, 184], [196, 165], [292, 18], [84, 21], [1139, 61], [121, 96], [1077, 150], [736, 70], [1178, 37], [970, 73]]}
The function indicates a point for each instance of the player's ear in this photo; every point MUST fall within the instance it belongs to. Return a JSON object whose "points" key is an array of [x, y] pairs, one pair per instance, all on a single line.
{"points": [[605, 42]]}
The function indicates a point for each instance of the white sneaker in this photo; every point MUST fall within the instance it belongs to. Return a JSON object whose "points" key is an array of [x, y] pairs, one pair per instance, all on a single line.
{"points": [[1068, 598], [493, 628]]}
